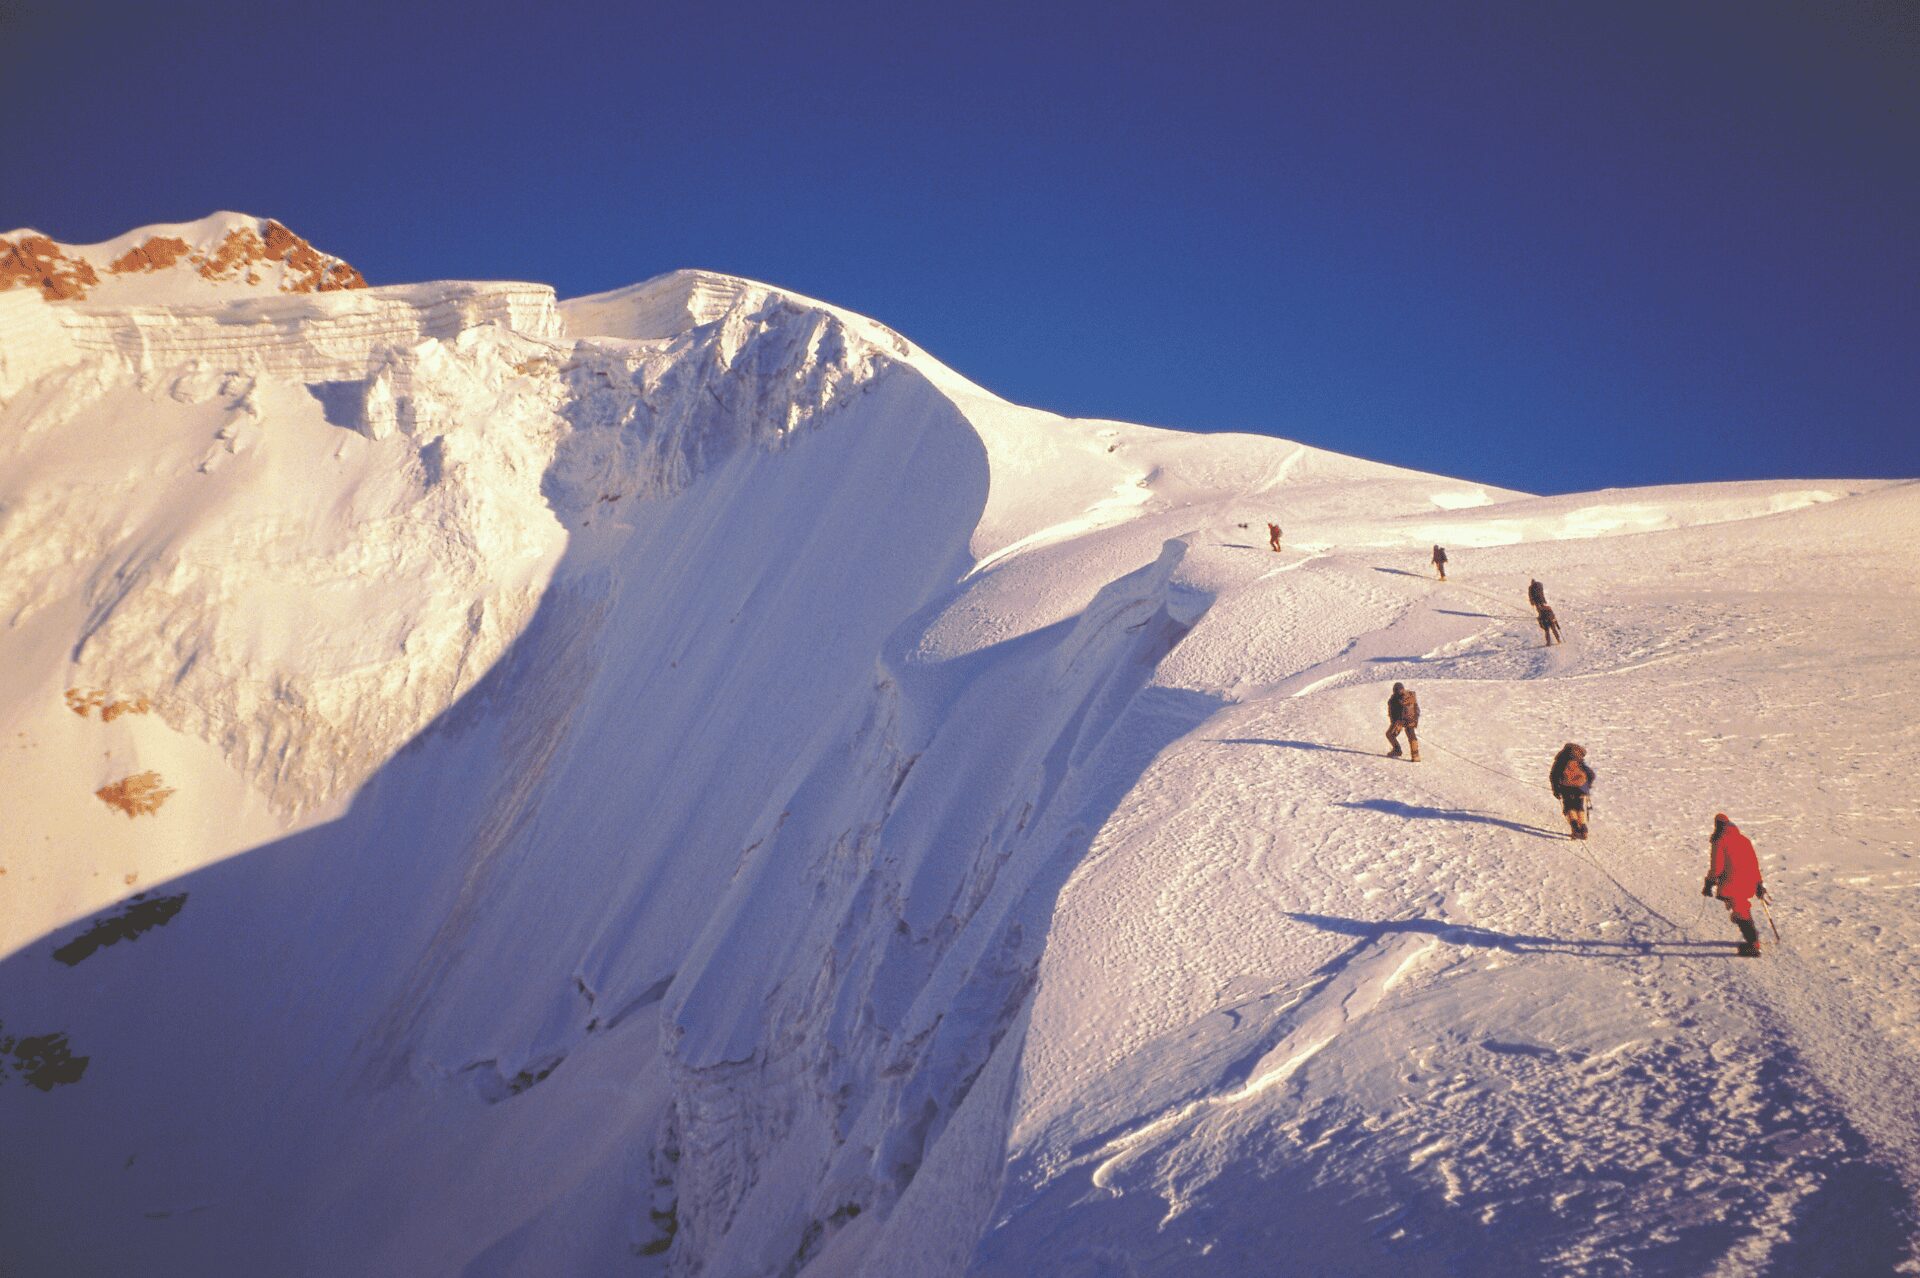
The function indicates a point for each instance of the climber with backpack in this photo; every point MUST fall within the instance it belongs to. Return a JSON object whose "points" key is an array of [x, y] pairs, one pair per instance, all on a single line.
{"points": [[1273, 535], [1572, 777], [1733, 875], [1403, 714], [1440, 561]]}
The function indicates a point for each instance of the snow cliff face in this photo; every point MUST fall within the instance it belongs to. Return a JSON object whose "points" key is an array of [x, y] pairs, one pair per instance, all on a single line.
{"points": [[680, 781], [451, 433]]}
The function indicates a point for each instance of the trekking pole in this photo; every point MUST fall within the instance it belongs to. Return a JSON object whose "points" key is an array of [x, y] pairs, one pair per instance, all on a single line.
{"points": [[1770, 922]]}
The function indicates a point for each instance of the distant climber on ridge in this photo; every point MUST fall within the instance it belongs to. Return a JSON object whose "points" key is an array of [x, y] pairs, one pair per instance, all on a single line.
{"points": [[1733, 875], [1536, 594], [1440, 561], [1572, 779], [1273, 535], [1403, 713], [1549, 627]]}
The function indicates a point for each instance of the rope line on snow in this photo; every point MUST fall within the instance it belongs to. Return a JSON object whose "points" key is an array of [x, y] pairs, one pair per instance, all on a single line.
{"points": [[1476, 763], [1497, 602], [1582, 853], [1629, 893], [1682, 929]]}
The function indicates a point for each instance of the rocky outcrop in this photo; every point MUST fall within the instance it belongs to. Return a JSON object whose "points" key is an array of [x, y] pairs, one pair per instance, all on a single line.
{"points": [[244, 250], [34, 261], [222, 249], [157, 254]]}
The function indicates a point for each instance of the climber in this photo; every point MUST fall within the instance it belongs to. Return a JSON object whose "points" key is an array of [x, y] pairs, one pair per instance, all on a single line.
{"points": [[1403, 712], [1440, 561], [1549, 628], [1733, 875], [1273, 535], [1572, 779], [1536, 594]]}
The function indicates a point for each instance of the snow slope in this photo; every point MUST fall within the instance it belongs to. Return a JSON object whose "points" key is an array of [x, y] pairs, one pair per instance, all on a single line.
{"points": [[680, 781]]}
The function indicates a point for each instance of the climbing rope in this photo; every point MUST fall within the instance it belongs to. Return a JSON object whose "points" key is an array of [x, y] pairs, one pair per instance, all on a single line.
{"points": [[1476, 763], [1495, 600], [1629, 893], [1581, 852]]}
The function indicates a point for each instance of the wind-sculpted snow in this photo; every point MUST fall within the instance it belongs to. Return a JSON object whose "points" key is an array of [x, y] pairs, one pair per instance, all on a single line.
{"points": [[929, 865], [646, 417], [478, 438], [320, 338], [680, 782]]}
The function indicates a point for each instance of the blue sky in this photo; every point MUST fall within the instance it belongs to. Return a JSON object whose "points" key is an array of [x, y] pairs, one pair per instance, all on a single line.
{"points": [[1547, 246]]}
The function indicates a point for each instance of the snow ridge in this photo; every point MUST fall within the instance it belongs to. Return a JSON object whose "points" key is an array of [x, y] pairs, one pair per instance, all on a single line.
{"points": [[680, 782]]}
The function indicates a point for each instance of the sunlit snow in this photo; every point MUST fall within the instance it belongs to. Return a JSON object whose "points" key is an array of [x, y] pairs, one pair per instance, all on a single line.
{"points": [[680, 781]]}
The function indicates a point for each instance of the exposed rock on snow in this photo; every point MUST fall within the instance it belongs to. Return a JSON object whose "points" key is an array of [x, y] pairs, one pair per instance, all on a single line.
{"points": [[227, 249], [681, 782], [141, 794], [28, 260]]}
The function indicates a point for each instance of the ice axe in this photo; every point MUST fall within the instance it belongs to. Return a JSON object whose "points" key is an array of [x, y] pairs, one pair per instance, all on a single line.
{"points": [[1770, 922]]}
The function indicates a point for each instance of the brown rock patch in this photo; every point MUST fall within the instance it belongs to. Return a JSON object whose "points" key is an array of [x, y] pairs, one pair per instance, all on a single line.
{"points": [[114, 709], [138, 795], [241, 246], [84, 701], [157, 254], [35, 261], [310, 270]]}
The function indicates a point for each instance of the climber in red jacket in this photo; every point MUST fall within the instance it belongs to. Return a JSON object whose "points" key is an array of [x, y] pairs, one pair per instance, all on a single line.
{"points": [[1733, 875]]}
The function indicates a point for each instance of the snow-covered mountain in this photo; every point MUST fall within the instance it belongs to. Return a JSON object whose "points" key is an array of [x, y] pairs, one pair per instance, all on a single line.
{"points": [[221, 256], [680, 781]]}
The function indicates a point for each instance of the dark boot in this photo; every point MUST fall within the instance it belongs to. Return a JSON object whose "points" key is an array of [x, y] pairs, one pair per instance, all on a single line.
{"points": [[1749, 938]]}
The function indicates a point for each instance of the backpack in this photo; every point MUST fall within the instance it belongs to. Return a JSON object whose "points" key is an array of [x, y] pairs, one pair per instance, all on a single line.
{"points": [[1573, 776]]}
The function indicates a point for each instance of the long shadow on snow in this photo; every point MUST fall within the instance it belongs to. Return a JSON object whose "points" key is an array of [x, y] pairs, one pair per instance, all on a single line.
{"points": [[236, 1027], [1298, 745], [963, 865], [1414, 811], [1859, 1221], [239, 1057], [1512, 943], [305, 997]]}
